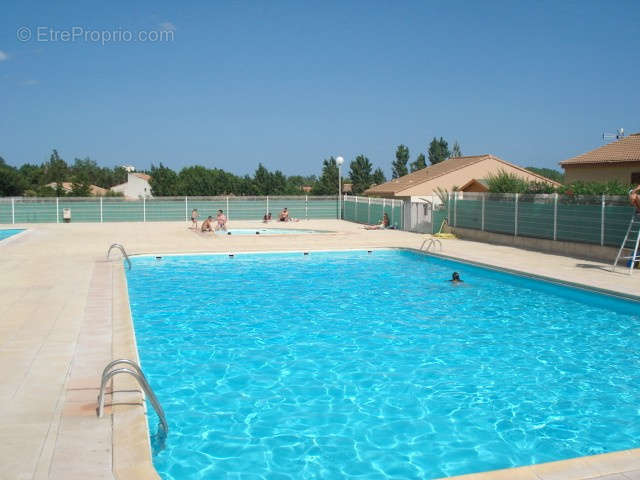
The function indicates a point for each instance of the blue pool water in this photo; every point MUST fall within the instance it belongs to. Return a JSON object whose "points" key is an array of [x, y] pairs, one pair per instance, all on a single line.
{"points": [[10, 232], [373, 366], [265, 231]]}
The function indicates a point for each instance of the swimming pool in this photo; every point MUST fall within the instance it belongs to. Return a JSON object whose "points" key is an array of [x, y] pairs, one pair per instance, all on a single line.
{"points": [[372, 366], [9, 232], [266, 231]]}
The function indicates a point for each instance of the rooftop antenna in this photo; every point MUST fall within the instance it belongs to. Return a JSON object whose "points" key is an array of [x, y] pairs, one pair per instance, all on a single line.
{"points": [[610, 136]]}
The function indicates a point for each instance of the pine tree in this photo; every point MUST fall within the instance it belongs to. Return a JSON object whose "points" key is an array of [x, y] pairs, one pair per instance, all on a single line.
{"points": [[419, 164], [399, 166]]}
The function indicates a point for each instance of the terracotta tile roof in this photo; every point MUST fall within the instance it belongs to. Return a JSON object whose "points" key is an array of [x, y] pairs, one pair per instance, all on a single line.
{"points": [[143, 176], [439, 169], [399, 184], [624, 150]]}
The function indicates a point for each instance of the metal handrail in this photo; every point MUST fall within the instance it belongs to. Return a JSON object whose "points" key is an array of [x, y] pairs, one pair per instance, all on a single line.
{"points": [[107, 374], [433, 242], [122, 250], [119, 361]]}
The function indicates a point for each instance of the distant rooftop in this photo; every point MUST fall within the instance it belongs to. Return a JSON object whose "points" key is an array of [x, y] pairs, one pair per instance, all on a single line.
{"points": [[626, 149]]}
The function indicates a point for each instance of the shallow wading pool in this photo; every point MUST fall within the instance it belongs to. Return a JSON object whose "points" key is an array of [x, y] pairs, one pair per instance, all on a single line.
{"points": [[6, 233], [372, 366]]}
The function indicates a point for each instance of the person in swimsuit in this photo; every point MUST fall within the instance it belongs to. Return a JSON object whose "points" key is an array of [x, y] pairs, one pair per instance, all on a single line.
{"points": [[634, 198], [383, 224], [455, 278], [284, 215], [266, 218], [222, 221], [194, 219], [207, 224]]}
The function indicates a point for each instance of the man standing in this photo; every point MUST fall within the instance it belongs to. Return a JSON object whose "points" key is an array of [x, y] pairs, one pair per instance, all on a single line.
{"points": [[222, 221]]}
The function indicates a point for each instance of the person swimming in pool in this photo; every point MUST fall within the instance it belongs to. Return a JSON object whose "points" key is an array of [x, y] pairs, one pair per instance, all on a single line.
{"points": [[455, 278]]}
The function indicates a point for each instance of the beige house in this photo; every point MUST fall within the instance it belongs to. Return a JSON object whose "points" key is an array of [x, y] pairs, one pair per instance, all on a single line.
{"points": [[454, 172], [619, 160], [68, 188], [136, 187]]}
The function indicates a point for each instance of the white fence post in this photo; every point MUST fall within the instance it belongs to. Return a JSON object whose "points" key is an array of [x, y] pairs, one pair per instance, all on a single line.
{"points": [[228, 212], [57, 210], [144, 209], [515, 225], [13, 210], [369, 211], [602, 222], [392, 203], [455, 209], [482, 221], [555, 216], [101, 218], [267, 210], [306, 207], [186, 209]]}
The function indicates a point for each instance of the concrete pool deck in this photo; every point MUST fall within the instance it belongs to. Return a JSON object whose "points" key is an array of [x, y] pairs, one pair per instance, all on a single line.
{"points": [[64, 315]]}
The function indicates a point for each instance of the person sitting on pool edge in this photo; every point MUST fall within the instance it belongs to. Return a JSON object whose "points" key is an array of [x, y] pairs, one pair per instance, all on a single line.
{"points": [[266, 218], [634, 198], [284, 215], [207, 225], [222, 221], [383, 224], [455, 278]]}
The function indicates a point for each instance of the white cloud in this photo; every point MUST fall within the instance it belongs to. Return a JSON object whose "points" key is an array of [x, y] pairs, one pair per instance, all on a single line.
{"points": [[168, 26], [3, 56]]}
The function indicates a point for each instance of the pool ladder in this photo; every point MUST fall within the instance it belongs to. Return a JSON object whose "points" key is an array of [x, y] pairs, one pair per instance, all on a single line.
{"points": [[135, 372], [122, 250], [433, 242], [630, 243]]}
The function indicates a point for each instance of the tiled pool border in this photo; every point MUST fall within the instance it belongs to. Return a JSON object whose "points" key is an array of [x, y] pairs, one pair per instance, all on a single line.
{"points": [[131, 443]]}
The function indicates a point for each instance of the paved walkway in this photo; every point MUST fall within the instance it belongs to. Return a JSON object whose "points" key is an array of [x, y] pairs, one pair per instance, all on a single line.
{"points": [[56, 325]]}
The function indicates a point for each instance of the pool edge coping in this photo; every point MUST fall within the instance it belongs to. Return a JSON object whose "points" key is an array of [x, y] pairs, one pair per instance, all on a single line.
{"points": [[131, 441], [576, 468]]}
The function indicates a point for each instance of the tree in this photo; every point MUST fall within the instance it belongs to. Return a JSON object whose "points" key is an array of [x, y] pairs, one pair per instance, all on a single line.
{"points": [[56, 170], [419, 164], [11, 182], [80, 187], [164, 181], [360, 174], [549, 173], [438, 150], [33, 175], [399, 166], [456, 151], [378, 177], [504, 182], [328, 182]]}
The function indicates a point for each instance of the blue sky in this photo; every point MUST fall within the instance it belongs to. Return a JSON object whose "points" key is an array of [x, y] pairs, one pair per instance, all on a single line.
{"points": [[290, 83]]}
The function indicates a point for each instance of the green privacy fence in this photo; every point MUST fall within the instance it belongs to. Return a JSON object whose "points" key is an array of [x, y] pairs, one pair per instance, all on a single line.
{"points": [[597, 219], [368, 210], [108, 209]]}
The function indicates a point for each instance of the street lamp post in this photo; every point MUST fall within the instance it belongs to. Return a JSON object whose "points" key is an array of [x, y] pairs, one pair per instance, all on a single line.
{"points": [[339, 162]]}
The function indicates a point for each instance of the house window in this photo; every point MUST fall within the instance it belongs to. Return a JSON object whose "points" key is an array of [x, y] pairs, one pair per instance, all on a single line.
{"points": [[635, 178]]}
